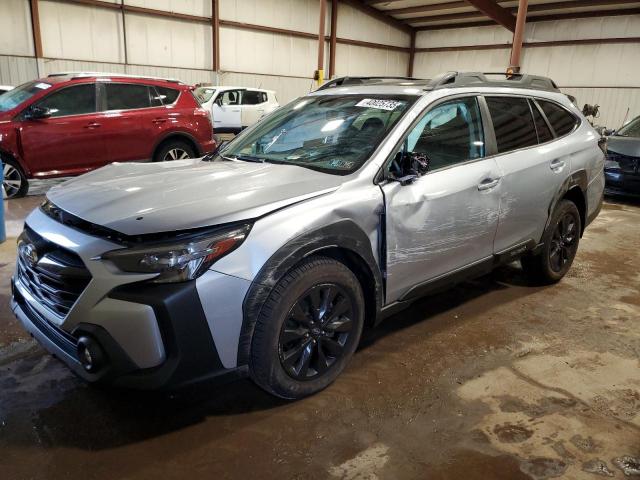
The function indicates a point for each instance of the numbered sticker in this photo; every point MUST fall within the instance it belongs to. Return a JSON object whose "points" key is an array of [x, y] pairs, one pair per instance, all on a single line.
{"points": [[379, 104]]}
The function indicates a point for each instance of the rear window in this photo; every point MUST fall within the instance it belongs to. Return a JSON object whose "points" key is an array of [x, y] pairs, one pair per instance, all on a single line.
{"points": [[562, 121], [512, 123], [167, 95], [122, 96], [544, 134]]}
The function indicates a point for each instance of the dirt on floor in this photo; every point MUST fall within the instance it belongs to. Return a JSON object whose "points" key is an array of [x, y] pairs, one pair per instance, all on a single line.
{"points": [[493, 379]]}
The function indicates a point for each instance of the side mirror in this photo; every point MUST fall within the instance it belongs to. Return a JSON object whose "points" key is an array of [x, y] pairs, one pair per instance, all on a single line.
{"points": [[37, 113], [609, 131]]}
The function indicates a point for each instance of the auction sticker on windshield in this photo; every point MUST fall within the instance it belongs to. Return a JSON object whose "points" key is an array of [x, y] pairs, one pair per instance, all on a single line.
{"points": [[379, 104]]}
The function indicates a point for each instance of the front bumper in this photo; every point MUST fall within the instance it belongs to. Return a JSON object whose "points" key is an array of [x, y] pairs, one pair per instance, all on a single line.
{"points": [[148, 336], [190, 352], [622, 183]]}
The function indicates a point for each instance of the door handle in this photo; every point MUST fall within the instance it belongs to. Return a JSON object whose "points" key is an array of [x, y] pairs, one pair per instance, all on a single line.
{"points": [[557, 164], [488, 184], [92, 125], [159, 120]]}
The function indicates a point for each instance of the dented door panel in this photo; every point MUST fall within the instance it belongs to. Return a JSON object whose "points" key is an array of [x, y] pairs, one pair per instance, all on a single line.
{"points": [[439, 223]]}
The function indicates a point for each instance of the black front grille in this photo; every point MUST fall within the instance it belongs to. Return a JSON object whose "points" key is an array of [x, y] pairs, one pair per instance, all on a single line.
{"points": [[627, 163], [54, 276]]}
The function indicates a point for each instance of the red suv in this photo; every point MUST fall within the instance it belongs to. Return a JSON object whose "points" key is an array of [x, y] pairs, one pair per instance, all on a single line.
{"points": [[70, 123]]}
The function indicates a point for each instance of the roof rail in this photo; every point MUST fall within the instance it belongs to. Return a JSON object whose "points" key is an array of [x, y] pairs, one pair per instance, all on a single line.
{"points": [[75, 75], [347, 81], [472, 79]]}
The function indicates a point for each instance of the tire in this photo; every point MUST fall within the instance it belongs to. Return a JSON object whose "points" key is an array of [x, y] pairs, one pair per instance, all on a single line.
{"points": [[295, 353], [560, 244], [174, 150], [14, 181]]}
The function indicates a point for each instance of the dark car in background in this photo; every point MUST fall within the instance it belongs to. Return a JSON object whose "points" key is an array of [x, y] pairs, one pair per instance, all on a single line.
{"points": [[622, 169], [70, 123]]}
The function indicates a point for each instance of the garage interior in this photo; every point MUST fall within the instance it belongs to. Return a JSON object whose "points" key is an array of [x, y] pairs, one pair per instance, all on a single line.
{"points": [[494, 378]]}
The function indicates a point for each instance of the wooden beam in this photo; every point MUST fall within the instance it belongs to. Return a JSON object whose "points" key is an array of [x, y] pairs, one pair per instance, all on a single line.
{"points": [[518, 36], [495, 12], [430, 8], [215, 35], [333, 38], [124, 33], [412, 54], [264, 28], [379, 14], [445, 17]]}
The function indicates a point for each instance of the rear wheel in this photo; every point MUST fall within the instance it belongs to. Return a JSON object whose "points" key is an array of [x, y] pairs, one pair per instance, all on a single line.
{"points": [[560, 244], [308, 329], [174, 150], [14, 181]]}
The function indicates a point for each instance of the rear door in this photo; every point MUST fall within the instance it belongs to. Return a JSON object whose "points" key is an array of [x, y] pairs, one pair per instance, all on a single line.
{"points": [[71, 140], [533, 169], [446, 220], [254, 103], [132, 115], [226, 111]]}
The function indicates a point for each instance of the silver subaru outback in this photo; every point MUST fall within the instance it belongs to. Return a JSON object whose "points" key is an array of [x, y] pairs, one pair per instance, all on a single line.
{"points": [[270, 256]]}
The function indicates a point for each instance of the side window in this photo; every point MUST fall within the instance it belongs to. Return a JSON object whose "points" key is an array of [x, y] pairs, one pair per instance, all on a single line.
{"points": [[544, 134], [448, 134], [76, 100], [167, 95], [123, 96], [512, 123], [230, 97], [561, 120], [251, 97]]}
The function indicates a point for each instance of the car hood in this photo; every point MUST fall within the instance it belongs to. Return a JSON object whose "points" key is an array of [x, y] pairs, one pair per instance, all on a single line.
{"points": [[629, 146], [140, 198]]}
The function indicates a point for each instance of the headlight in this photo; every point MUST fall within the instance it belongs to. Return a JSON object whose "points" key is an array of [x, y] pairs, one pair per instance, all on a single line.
{"points": [[179, 261]]}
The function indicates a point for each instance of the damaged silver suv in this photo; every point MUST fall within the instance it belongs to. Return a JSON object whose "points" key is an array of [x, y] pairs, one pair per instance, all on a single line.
{"points": [[270, 256]]}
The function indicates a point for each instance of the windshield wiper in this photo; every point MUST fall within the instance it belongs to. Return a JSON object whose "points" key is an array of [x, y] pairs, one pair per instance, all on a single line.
{"points": [[248, 158]]}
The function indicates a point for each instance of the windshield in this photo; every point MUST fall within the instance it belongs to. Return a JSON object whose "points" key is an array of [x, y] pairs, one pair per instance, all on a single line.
{"points": [[334, 134], [15, 97], [631, 129], [204, 94]]}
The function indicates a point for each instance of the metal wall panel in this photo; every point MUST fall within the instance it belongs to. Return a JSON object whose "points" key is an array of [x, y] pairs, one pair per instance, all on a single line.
{"points": [[16, 37], [356, 25], [17, 70], [357, 60], [300, 15], [268, 53], [80, 32], [168, 42], [201, 8], [428, 65]]}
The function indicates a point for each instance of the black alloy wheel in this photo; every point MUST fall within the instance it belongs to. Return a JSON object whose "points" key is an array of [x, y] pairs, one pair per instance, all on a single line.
{"points": [[563, 242], [315, 331]]}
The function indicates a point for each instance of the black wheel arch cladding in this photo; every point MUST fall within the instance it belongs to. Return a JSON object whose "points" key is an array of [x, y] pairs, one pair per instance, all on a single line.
{"points": [[344, 241]]}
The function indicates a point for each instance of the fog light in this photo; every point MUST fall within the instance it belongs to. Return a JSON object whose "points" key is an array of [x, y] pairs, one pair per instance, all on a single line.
{"points": [[90, 354]]}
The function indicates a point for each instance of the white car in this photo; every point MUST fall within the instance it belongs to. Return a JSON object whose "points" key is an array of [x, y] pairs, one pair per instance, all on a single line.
{"points": [[5, 88], [235, 108]]}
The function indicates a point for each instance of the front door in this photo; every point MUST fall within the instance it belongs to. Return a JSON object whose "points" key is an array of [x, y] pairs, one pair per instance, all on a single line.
{"points": [[70, 141], [446, 219], [226, 111]]}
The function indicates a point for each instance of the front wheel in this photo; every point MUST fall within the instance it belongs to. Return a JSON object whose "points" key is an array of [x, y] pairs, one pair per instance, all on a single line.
{"points": [[308, 329], [560, 245], [14, 181]]}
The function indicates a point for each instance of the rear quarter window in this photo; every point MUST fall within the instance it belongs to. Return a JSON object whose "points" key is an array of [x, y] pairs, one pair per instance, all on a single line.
{"points": [[560, 119], [167, 95]]}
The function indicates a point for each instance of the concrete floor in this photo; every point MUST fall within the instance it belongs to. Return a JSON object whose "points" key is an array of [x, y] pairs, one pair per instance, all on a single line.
{"points": [[492, 379]]}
